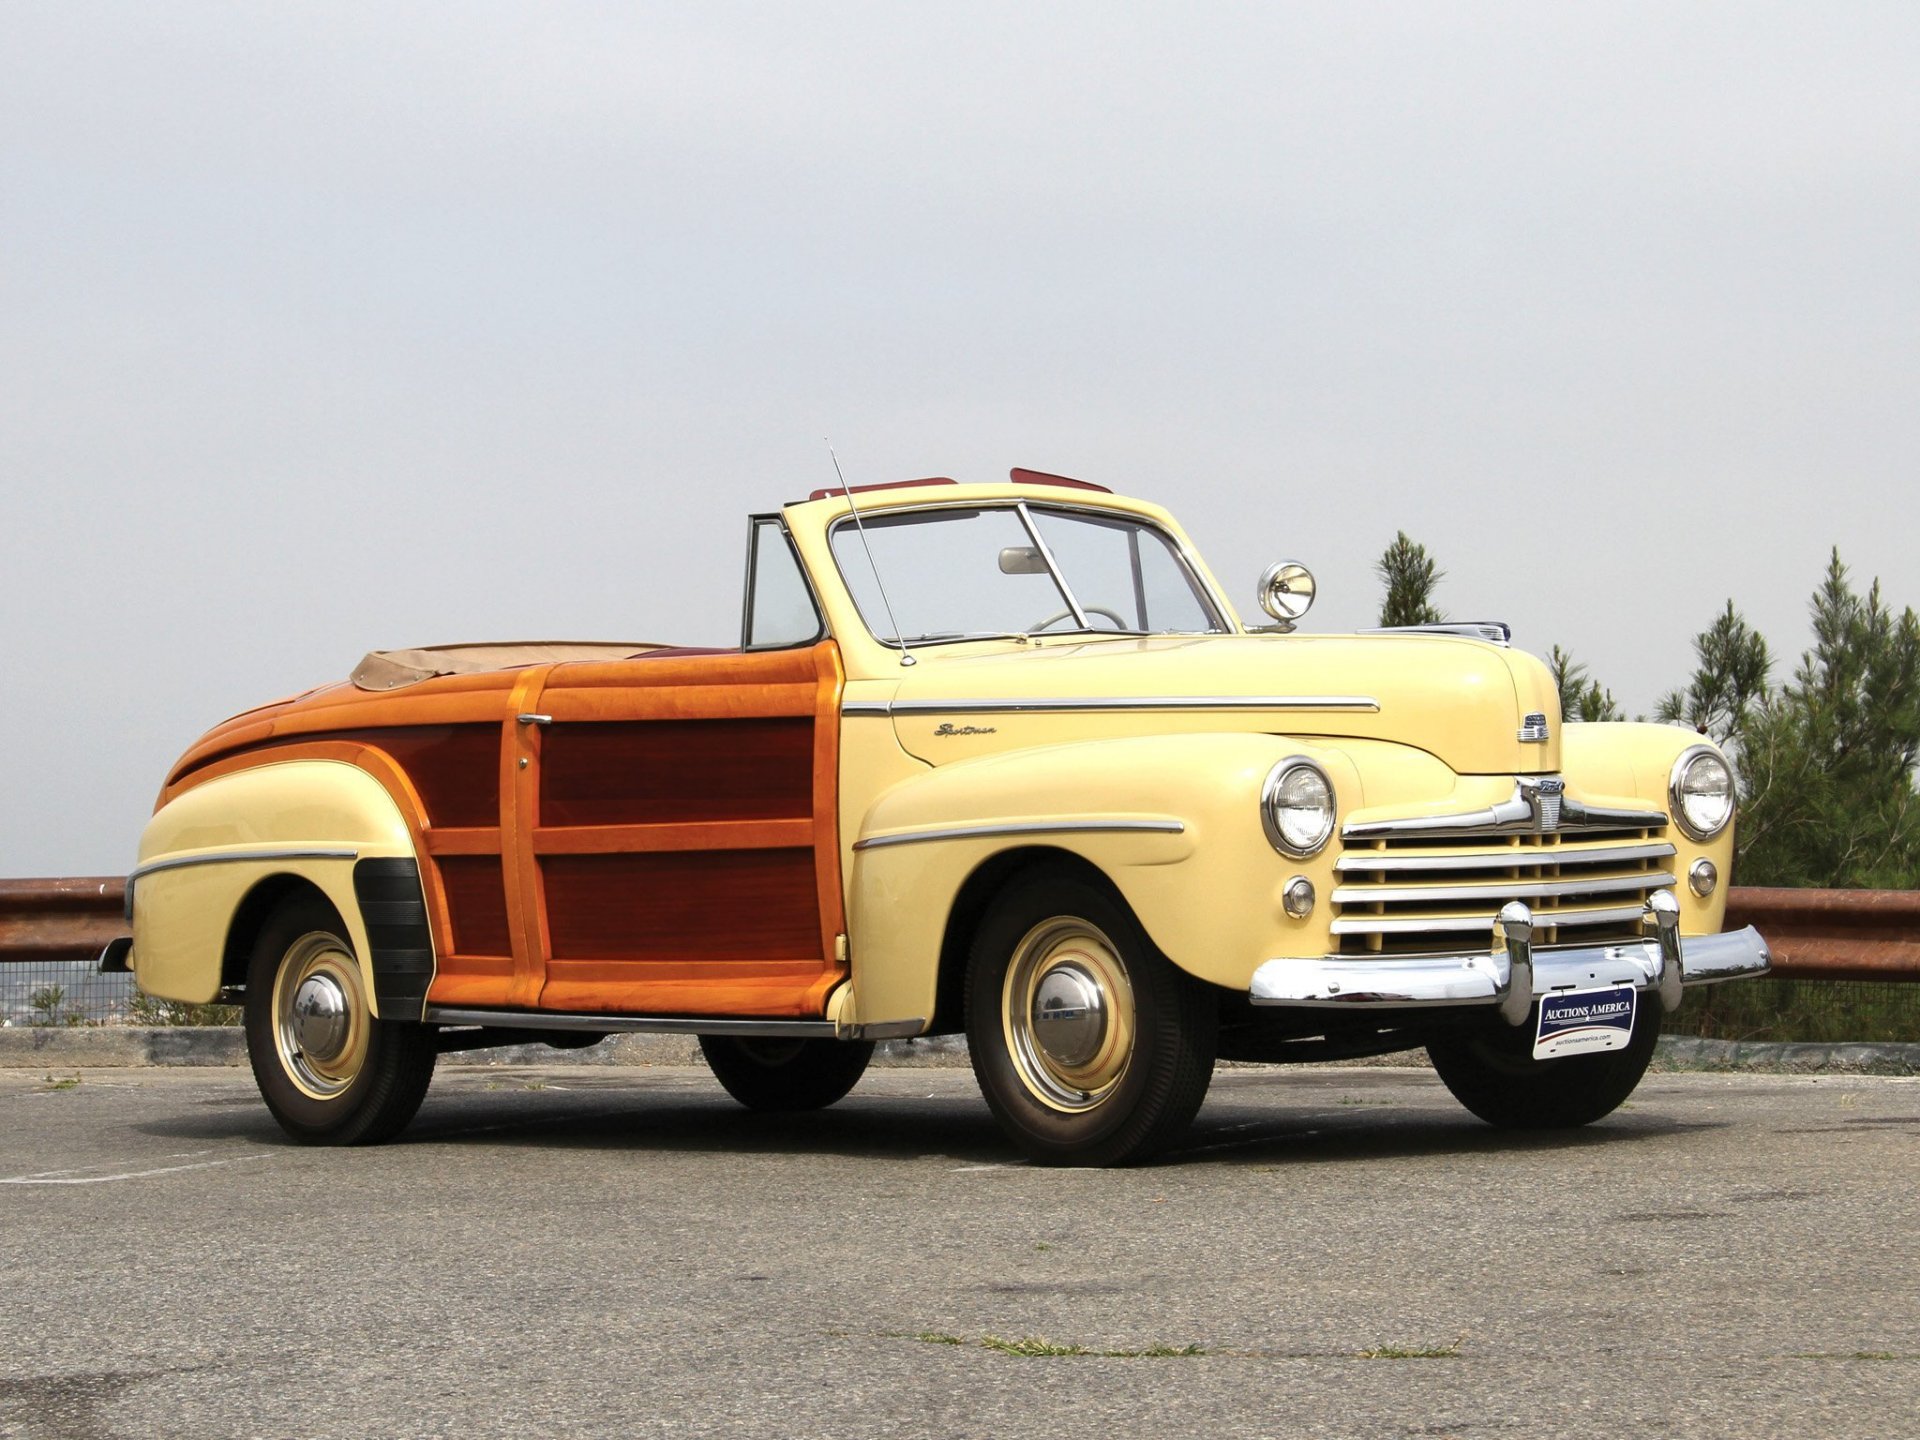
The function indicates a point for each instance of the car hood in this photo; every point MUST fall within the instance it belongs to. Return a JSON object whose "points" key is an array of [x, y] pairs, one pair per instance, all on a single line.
{"points": [[1465, 701]]}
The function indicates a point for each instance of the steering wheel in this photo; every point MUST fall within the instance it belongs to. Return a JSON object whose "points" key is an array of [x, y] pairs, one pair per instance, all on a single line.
{"points": [[1100, 610]]}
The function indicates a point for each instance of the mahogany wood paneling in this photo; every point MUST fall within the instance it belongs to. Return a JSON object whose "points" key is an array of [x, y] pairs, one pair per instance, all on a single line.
{"points": [[677, 771], [739, 906], [711, 835], [477, 896], [455, 768], [782, 992]]}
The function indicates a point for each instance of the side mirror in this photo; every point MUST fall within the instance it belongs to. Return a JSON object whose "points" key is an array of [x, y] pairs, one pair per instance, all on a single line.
{"points": [[1286, 593]]}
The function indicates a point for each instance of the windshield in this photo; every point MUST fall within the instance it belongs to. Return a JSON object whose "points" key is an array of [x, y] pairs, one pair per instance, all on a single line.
{"points": [[960, 574]]}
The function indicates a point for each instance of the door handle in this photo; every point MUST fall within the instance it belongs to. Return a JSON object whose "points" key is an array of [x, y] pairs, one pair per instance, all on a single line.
{"points": [[531, 719]]}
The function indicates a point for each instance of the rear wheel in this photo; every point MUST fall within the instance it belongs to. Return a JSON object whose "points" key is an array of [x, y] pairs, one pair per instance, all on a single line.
{"points": [[1090, 1046], [1491, 1071], [765, 1073], [329, 1071]]}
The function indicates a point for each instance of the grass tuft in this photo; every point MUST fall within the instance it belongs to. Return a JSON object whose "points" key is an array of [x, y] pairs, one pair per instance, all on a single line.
{"points": [[1031, 1345], [1413, 1352], [1037, 1347]]}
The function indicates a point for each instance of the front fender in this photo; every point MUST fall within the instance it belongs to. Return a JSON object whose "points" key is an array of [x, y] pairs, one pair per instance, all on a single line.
{"points": [[1172, 820], [208, 848]]}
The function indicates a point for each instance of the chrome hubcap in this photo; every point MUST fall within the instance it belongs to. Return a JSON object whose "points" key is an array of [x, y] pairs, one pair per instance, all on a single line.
{"points": [[1067, 1010], [320, 1019], [1069, 1015]]}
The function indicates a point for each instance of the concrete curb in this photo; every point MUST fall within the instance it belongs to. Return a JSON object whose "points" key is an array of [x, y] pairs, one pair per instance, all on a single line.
{"points": [[1690, 1052], [121, 1046]]}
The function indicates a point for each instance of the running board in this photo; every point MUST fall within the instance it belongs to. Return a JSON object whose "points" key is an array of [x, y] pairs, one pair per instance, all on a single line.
{"points": [[672, 1024]]}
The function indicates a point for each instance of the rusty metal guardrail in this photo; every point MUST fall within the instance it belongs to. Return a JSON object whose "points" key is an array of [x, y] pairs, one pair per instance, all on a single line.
{"points": [[1814, 934], [1834, 934], [45, 921]]}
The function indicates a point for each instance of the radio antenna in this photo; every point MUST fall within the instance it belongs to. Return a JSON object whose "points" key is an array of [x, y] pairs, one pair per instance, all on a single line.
{"points": [[906, 658]]}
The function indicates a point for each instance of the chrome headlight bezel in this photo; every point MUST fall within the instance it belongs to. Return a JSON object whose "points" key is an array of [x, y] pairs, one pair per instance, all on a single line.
{"points": [[1677, 792], [1272, 794]]}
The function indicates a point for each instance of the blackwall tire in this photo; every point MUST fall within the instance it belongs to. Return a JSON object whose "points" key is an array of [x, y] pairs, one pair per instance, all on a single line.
{"points": [[1491, 1071], [1090, 1047], [775, 1075], [330, 1072]]}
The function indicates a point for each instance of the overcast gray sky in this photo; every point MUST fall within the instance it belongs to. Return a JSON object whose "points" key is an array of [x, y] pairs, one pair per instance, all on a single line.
{"points": [[328, 328]]}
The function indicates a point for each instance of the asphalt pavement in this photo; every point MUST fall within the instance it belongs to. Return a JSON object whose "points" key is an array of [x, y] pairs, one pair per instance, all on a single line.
{"points": [[624, 1252]]}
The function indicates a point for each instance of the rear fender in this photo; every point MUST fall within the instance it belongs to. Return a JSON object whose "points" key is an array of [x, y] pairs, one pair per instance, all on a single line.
{"points": [[324, 823]]}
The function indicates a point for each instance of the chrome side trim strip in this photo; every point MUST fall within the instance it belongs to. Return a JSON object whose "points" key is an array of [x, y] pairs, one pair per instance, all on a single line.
{"points": [[657, 1024], [1512, 890], [1118, 704], [1025, 827], [232, 857], [1503, 857]]}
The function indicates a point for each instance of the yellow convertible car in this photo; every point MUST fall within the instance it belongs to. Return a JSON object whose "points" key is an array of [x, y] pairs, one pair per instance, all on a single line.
{"points": [[998, 759]]}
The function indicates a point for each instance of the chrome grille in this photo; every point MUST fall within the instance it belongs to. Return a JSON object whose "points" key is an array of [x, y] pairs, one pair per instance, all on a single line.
{"points": [[1421, 893]]}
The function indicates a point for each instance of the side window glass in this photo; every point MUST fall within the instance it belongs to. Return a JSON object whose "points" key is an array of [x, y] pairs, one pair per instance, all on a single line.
{"points": [[780, 610]]}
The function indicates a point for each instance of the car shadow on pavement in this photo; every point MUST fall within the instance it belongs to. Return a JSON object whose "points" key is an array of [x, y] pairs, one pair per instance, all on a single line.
{"points": [[617, 1113]]}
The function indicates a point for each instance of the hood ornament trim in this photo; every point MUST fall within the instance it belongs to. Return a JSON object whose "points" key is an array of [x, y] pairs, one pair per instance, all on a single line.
{"points": [[1533, 730]]}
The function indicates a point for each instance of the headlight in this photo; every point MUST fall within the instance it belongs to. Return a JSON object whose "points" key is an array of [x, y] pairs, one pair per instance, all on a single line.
{"points": [[1296, 806], [1701, 792]]}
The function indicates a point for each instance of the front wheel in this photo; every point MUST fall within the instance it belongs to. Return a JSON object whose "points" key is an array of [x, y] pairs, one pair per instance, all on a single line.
{"points": [[329, 1071], [1090, 1046], [777, 1075], [1491, 1071]]}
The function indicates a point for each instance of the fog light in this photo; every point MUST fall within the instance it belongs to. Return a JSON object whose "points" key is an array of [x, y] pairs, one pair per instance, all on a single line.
{"points": [[1703, 877], [1298, 897]]}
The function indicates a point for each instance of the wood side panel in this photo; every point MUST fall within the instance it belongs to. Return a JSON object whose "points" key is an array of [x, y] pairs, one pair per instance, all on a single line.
{"points": [[733, 671], [477, 894], [740, 906], [685, 810], [635, 772], [801, 995], [480, 840], [520, 752], [601, 701], [454, 767], [644, 839], [452, 700]]}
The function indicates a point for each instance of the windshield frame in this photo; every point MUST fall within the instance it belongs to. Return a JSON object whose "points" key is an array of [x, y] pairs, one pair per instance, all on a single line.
{"points": [[1024, 508]]}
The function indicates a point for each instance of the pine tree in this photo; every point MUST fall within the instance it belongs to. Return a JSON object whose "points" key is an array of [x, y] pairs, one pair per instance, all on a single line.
{"points": [[1730, 677], [1582, 698], [1409, 574], [1828, 761]]}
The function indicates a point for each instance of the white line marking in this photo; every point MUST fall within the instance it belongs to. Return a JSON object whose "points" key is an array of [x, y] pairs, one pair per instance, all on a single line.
{"points": [[67, 1177]]}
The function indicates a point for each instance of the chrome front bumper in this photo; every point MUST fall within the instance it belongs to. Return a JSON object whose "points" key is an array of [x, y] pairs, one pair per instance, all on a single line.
{"points": [[1513, 974]]}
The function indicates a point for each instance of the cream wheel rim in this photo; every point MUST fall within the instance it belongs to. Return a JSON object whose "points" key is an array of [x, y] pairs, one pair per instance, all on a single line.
{"points": [[1067, 1011], [320, 1016]]}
